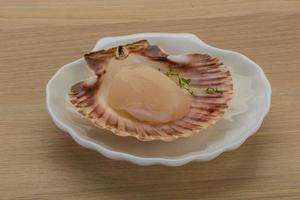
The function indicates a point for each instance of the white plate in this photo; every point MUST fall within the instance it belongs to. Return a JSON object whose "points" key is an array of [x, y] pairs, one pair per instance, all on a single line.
{"points": [[251, 103]]}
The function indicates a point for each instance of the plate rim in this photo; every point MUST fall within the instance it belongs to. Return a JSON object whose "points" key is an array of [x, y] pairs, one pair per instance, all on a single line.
{"points": [[180, 160]]}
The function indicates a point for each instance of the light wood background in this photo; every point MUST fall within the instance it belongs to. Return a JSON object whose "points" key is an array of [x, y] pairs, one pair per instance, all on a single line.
{"points": [[38, 161]]}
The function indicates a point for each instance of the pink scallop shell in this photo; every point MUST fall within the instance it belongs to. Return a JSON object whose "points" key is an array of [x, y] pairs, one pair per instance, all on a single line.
{"points": [[203, 70]]}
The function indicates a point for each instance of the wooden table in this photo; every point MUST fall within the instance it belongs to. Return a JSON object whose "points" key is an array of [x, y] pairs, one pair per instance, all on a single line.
{"points": [[38, 161]]}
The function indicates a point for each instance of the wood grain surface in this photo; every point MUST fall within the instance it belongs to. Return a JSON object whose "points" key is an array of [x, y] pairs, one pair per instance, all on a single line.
{"points": [[38, 161]]}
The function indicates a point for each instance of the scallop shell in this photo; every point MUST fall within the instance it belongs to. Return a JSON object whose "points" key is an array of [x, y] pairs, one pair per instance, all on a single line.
{"points": [[88, 96]]}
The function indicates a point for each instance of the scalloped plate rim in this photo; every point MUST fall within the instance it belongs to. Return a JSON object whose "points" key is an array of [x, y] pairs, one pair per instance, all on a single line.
{"points": [[180, 160]]}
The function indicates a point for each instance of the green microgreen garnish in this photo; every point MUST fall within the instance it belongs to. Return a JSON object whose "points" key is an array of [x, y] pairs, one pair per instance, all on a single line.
{"points": [[211, 90], [182, 82]]}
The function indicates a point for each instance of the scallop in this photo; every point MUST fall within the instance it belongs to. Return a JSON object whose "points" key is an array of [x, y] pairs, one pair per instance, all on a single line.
{"points": [[147, 95], [133, 93]]}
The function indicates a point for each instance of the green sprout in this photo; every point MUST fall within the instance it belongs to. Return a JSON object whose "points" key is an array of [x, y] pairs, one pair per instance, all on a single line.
{"points": [[182, 82]]}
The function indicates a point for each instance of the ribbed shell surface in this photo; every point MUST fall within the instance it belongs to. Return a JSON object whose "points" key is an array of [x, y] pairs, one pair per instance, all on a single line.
{"points": [[206, 107]]}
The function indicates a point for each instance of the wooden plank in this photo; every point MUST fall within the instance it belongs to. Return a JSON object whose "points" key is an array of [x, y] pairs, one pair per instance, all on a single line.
{"points": [[38, 161]]}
